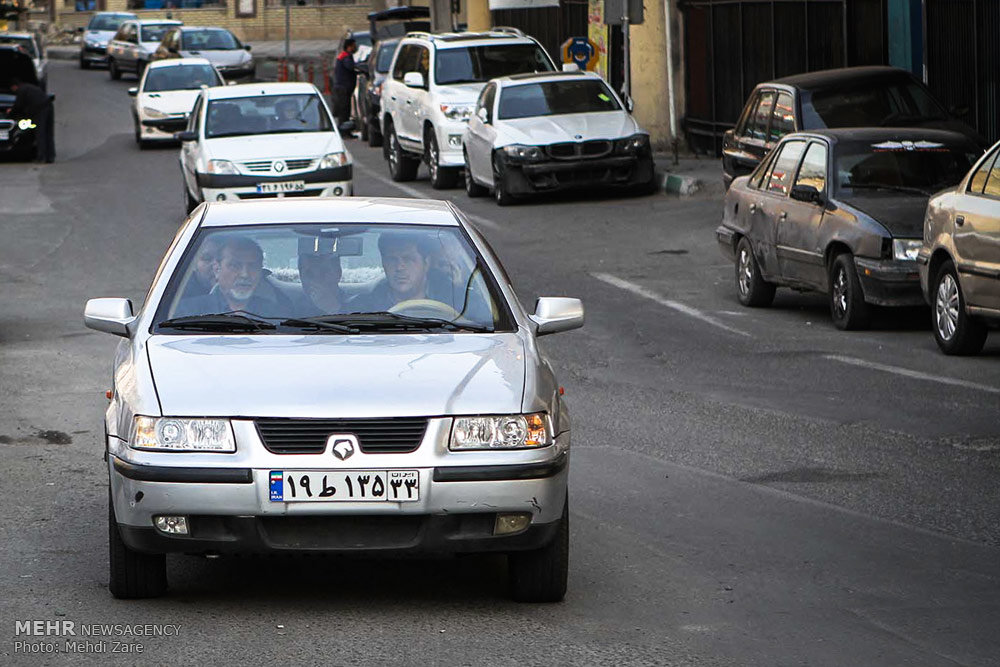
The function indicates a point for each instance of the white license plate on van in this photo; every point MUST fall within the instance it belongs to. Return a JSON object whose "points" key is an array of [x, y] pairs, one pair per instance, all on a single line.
{"points": [[283, 186], [392, 486]]}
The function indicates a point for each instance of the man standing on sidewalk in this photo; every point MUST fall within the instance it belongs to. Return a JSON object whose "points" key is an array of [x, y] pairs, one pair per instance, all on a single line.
{"points": [[345, 77], [34, 104]]}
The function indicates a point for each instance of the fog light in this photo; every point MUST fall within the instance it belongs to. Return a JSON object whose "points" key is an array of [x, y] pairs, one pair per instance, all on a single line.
{"points": [[338, 191], [172, 525], [455, 140], [514, 522], [220, 198]]}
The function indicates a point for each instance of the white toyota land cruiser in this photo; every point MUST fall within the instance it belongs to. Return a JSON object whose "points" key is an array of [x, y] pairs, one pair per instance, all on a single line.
{"points": [[432, 88]]}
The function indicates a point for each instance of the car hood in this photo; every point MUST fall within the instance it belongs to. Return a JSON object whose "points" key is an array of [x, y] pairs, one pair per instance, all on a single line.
{"points": [[226, 58], [338, 376], [100, 36], [270, 146], [170, 101], [900, 213], [541, 130]]}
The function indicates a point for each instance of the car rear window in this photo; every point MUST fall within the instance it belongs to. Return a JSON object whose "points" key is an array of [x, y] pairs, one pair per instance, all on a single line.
{"points": [[892, 165], [875, 103]]}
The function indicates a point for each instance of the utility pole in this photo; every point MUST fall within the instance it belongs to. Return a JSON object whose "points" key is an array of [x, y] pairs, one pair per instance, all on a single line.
{"points": [[288, 30], [627, 78]]}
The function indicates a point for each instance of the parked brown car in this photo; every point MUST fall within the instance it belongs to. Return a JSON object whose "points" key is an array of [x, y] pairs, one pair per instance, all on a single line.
{"points": [[960, 259]]}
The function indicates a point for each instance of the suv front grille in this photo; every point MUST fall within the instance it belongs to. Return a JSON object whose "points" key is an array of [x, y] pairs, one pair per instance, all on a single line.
{"points": [[375, 436], [586, 149], [292, 164]]}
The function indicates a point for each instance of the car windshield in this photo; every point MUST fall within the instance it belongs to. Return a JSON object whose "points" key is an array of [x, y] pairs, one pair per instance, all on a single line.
{"points": [[180, 77], [332, 279], [551, 98], [384, 60], [25, 43], [902, 166], [154, 33], [266, 114], [477, 64], [208, 40], [107, 23], [876, 103]]}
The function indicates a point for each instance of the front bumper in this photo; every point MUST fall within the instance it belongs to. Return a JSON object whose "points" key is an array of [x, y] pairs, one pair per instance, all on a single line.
{"points": [[94, 54], [890, 282], [336, 182], [618, 171]]}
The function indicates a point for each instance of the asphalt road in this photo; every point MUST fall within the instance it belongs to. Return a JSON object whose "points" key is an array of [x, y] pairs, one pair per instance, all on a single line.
{"points": [[749, 487]]}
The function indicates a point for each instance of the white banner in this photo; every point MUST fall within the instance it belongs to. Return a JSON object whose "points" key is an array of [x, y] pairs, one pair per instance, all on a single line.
{"points": [[522, 4]]}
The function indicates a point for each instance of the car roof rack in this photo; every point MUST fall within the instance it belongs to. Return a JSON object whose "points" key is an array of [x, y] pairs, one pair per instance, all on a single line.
{"points": [[420, 34], [509, 30]]}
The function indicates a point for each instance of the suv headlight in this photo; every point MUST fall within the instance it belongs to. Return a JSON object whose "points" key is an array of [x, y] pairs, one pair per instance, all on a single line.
{"points": [[519, 153], [634, 145], [501, 432], [182, 435], [153, 113], [906, 249], [333, 160], [92, 43], [220, 167], [453, 111]]}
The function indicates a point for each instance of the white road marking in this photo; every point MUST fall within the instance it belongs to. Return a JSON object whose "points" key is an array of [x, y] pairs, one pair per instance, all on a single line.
{"points": [[663, 301], [417, 194], [914, 375]]}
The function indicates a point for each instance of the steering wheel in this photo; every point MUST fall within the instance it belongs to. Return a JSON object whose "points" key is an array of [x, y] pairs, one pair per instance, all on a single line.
{"points": [[425, 308]]}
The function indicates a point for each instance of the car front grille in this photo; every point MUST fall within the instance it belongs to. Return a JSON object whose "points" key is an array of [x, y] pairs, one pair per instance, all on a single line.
{"points": [[267, 166], [582, 149], [303, 163], [375, 436]]}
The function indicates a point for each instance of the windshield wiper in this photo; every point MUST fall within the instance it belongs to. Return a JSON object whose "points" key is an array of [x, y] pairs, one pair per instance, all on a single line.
{"points": [[321, 323], [890, 188], [218, 322], [383, 320]]}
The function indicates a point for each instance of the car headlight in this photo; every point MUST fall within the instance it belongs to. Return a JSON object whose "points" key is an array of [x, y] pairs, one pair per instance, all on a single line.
{"points": [[153, 113], [519, 153], [453, 111], [26, 124], [220, 167], [906, 249], [182, 435], [501, 432], [333, 160], [634, 145]]}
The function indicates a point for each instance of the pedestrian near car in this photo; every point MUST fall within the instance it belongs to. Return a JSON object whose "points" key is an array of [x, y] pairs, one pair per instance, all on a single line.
{"points": [[34, 104], [345, 78]]}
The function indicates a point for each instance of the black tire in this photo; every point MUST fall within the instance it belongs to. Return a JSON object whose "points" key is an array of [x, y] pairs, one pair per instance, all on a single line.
{"points": [[113, 70], [442, 178], [751, 288], [84, 63], [847, 300], [374, 135], [472, 188], [401, 166], [138, 136], [363, 128], [190, 203], [133, 575], [500, 193], [956, 332], [541, 575]]}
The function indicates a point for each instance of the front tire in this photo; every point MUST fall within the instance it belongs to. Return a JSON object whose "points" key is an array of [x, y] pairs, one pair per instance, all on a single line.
{"points": [[84, 63], [847, 300], [500, 193], [541, 575], [374, 135], [956, 332], [442, 178], [751, 288], [472, 188], [190, 203], [133, 574], [113, 70], [401, 166]]}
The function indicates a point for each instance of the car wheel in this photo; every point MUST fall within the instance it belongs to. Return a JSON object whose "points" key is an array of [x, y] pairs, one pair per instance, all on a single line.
{"points": [[113, 70], [955, 331], [374, 136], [472, 188], [500, 193], [138, 136], [442, 178], [751, 288], [847, 300], [190, 203], [541, 575], [401, 166], [133, 574], [84, 63], [363, 127]]}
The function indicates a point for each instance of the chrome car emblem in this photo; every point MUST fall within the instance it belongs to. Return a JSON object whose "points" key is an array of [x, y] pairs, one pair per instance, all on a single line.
{"points": [[279, 166], [344, 446]]}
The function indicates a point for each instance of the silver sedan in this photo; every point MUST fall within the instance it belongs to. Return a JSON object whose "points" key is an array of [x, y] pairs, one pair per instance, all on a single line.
{"points": [[335, 376]]}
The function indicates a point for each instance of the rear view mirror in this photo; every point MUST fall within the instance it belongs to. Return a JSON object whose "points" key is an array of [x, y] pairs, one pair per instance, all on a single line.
{"points": [[133, 92], [554, 314], [806, 193], [110, 315], [186, 135]]}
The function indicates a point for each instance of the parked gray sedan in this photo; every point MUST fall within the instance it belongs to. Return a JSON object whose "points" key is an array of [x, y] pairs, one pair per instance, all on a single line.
{"points": [[840, 212], [335, 376]]}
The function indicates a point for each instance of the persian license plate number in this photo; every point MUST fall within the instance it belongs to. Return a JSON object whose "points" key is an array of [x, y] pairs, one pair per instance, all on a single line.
{"points": [[394, 486], [283, 186]]}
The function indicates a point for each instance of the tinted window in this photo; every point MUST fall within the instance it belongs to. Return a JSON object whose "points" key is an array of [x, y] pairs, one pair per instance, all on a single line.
{"points": [[757, 125], [384, 58], [813, 169], [25, 43], [782, 118], [482, 63], [552, 98], [979, 178], [878, 103], [266, 114], [406, 61], [784, 167], [209, 40], [424, 63], [895, 166], [180, 77], [154, 33], [107, 23]]}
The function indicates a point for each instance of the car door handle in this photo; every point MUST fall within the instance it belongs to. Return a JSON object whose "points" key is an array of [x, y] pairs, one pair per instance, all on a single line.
{"points": [[959, 220], [409, 101], [393, 98]]}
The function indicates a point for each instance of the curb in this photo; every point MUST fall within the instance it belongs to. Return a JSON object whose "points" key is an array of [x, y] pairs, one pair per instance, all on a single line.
{"points": [[675, 184], [62, 52]]}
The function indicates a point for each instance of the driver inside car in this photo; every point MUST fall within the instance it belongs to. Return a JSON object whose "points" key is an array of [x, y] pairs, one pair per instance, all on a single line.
{"points": [[406, 261], [287, 116]]}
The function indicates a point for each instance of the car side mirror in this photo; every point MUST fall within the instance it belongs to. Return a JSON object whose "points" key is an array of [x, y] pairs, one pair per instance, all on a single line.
{"points": [[554, 314], [483, 115], [132, 92], [110, 315], [246, 47], [806, 193], [186, 135], [413, 80]]}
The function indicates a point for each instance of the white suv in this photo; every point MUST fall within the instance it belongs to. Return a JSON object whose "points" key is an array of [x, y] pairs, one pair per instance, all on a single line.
{"points": [[432, 88]]}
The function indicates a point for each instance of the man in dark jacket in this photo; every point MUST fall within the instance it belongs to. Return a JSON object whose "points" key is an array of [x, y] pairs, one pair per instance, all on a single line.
{"points": [[345, 77], [34, 104]]}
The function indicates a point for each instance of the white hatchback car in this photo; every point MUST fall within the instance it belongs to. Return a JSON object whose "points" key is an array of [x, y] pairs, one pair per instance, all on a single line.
{"points": [[165, 96], [536, 133], [263, 140]]}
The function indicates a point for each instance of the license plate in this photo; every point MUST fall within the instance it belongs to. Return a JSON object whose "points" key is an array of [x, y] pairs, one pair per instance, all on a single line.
{"points": [[393, 486], [284, 186], [4, 135]]}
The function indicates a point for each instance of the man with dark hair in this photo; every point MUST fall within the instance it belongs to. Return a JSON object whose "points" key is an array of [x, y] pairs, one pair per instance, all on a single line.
{"points": [[406, 260], [34, 104], [345, 77], [206, 267]]}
